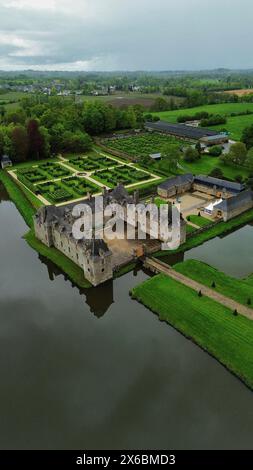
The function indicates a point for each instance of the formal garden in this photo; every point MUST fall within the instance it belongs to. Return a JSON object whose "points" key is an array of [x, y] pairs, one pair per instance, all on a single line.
{"points": [[91, 162], [123, 174], [141, 145], [74, 177]]}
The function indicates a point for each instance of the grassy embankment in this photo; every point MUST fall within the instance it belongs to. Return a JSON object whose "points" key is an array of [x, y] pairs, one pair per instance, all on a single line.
{"points": [[215, 231], [24, 203], [240, 290], [212, 326]]}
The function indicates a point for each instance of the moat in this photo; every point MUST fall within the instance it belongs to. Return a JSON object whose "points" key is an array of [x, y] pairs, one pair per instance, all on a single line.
{"points": [[95, 369]]}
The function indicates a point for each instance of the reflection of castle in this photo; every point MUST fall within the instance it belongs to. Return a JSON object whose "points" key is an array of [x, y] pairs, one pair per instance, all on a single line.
{"points": [[99, 300], [98, 258]]}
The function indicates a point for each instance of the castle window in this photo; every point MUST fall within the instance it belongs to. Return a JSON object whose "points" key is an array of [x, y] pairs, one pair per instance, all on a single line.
{"points": [[103, 270]]}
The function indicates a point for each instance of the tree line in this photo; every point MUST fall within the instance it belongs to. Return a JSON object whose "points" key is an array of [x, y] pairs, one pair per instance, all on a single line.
{"points": [[49, 125]]}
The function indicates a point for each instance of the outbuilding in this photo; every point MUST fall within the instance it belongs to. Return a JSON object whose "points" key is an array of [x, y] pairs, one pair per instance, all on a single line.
{"points": [[5, 162]]}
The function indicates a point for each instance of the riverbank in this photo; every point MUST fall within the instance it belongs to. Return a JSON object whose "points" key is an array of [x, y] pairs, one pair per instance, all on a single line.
{"points": [[213, 327], [215, 231]]}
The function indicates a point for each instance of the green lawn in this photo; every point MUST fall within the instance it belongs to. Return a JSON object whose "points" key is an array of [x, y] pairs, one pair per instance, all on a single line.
{"points": [[199, 220], [221, 108], [206, 164], [210, 325], [190, 229], [238, 289], [234, 125]]}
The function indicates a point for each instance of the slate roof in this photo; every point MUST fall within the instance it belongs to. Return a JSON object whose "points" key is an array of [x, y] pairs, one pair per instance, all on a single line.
{"points": [[176, 181], [211, 138], [6, 159], [210, 181], [236, 201], [180, 130]]}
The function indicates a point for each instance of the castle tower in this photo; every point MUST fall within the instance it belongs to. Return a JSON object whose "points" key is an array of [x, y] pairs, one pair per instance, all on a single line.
{"points": [[97, 262]]}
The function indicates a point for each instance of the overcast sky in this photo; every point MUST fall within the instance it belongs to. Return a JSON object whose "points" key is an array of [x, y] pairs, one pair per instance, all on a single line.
{"points": [[125, 34]]}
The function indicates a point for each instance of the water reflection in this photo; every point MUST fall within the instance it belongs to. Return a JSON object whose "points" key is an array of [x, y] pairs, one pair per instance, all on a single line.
{"points": [[57, 361], [231, 253], [98, 299]]}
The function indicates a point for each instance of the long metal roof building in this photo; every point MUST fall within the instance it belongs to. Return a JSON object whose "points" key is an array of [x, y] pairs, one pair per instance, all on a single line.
{"points": [[180, 130]]}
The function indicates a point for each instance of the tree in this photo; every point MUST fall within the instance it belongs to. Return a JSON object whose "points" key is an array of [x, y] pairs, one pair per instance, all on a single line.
{"points": [[170, 158], [247, 136], [37, 141], [215, 151], [191, 154], [216, 173], [249, 159], [20, 143], [237, 154], [198, 148]]}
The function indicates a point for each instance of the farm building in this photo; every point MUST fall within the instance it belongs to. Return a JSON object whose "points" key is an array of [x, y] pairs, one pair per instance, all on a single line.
{"points": [[218, 139], [5, 162], [231, 199], [231, 207], [175, 186], [204, 184], [156, 156], [182, 130]]}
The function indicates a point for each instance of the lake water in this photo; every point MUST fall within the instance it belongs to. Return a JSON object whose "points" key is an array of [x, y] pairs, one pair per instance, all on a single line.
{"points": [[232, 254], [95, 369]]}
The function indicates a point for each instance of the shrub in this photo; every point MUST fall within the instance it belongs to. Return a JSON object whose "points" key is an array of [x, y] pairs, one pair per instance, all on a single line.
{"points": [[215, 151]]}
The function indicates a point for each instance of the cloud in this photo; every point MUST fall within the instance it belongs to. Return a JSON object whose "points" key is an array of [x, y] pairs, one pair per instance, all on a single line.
{"points": [[112, 34]]}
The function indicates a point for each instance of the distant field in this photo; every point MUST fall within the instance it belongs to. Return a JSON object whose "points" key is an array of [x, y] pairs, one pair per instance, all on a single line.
{"points": [[210, 325], [11, 99], [234, 125], [246, 91], [123, 99]]}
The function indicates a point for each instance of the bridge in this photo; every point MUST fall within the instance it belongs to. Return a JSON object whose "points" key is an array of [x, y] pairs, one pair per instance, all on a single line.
{"points": [[157, 266]]}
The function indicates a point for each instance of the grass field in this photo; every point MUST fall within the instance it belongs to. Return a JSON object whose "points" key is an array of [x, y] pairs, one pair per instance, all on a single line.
{"points": [[206, 164], [234, 125], [210, 325], [241, 290], [11, 99], [198, 220]]}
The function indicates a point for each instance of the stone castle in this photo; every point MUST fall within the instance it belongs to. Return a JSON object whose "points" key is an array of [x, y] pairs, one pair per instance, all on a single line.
{"points": [[96, 257]]}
